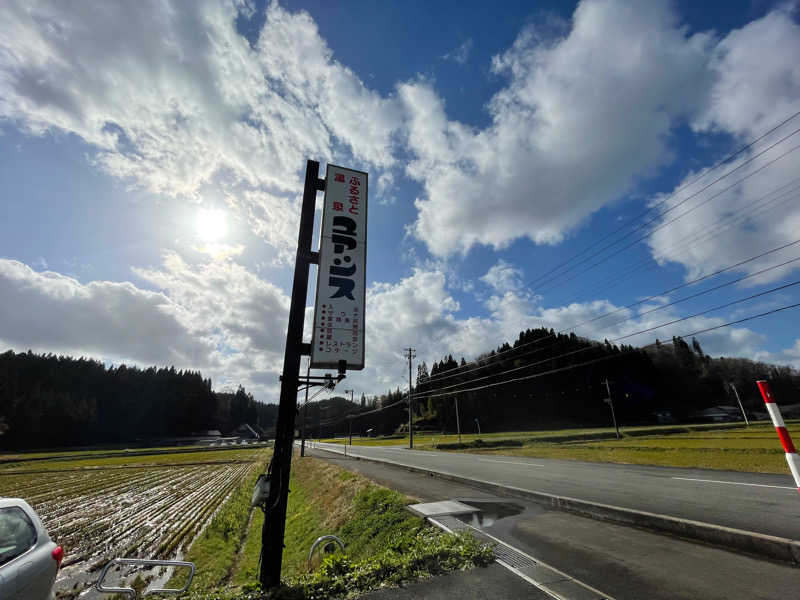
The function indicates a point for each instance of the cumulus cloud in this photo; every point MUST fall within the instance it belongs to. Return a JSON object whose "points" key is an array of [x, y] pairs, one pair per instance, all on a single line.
{"points": [[216, 316], [55, 313], [219, 317], [756, 76], [172, 98], [582, 119], [419, 311], [503, 276], [756, 86]]}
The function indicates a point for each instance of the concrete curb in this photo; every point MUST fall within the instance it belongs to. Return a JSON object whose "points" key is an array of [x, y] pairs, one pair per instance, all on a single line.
{"points": [[728, 538]]}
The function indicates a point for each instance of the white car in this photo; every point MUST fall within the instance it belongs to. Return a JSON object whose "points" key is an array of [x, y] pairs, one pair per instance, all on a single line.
{"points": [[29, 559]]}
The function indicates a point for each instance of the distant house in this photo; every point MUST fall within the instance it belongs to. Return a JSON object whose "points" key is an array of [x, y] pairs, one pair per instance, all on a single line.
{"points": [[246, 432], [718, 414]]}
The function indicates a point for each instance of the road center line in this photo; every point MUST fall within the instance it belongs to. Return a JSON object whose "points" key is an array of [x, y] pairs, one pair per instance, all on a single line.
{"points": [[511, 462], [780, 487]]}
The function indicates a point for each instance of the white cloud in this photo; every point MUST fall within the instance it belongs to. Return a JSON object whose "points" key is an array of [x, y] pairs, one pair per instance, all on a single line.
{"points": [[582, 119], [503, 276], [219, 317], [757, 76], [792, 354], [173, 99], [461, 54], [757, 85], [55, 313]]}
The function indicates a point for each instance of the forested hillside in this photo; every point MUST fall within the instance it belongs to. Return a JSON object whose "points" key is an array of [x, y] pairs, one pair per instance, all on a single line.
{"points": [[52, 401], [545, 379]]}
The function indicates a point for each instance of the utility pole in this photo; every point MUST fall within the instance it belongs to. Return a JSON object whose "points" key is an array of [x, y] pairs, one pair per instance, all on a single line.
{"points": [[610, 402], [458, 422], [275, 510], [739, 400], [410, 353], [350, 418]]}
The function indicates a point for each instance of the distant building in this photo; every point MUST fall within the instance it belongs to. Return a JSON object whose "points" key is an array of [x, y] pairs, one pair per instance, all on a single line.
{"points": [[718, 414], [246, 432]]}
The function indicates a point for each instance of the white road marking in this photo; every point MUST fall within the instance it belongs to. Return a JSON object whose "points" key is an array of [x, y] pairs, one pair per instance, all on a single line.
{"points": [[511, 462], [780, 487]]}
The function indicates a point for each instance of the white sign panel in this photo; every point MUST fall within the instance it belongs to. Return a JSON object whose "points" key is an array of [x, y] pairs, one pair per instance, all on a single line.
{"points": [[342, 275]]}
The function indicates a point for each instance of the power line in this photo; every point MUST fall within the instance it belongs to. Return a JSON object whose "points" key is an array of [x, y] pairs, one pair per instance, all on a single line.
{"points": [[701, 235], [713, 289], [364, 414], [667, 198], [726, 160], [663, 225], [693, 281], [589, 362], [587, 348], [663, 201], [461, 369], [714, 167]]}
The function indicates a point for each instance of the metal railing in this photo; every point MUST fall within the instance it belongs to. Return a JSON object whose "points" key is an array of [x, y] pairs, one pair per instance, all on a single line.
{"points": [[142, 562], [319, 540]]}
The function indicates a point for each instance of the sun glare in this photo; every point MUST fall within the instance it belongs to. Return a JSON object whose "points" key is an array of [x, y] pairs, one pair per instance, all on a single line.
{"points": [[211, 224]]}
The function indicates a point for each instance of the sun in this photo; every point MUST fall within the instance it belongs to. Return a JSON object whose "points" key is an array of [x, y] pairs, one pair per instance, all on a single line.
{"points": [[211, 224]]}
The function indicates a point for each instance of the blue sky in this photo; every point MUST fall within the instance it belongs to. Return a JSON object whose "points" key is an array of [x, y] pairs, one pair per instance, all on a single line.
{"points": [[152, 155]]}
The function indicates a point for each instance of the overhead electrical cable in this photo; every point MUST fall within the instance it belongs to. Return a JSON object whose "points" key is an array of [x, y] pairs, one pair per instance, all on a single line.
{"points": [[699, 236], [604, 358], [667, 223], [667, 198], [461, 370], [587, 348]]}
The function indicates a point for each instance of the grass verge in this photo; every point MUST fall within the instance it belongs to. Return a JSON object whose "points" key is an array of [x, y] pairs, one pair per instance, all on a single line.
{"points": [[424, 438], [214, 551], [753, 449], [385, 544]]}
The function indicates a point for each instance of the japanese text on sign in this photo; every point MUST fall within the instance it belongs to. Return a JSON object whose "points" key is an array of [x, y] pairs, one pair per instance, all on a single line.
{"points": [[339, 309]]}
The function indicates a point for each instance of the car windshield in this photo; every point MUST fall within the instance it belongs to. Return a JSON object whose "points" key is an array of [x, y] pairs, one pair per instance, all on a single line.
{"points": [[17, 533]]}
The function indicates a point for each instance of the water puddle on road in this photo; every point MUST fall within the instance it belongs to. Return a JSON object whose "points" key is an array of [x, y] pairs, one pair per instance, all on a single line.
{"points": [[488, 512]]}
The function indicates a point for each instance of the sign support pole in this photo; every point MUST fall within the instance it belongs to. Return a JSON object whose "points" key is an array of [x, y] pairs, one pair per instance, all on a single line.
{"points": [[305, 412], [275, 516]]}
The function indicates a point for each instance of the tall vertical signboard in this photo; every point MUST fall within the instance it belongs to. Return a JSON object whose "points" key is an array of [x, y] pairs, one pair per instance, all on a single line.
{"points": [[341, 279]]}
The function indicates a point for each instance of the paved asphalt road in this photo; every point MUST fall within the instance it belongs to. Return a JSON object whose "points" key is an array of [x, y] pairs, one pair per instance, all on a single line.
{"points": [[625, 563], [762, 503]]}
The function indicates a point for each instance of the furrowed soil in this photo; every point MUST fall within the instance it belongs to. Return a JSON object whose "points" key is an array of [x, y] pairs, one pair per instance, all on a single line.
{"points": [[151, 505]]}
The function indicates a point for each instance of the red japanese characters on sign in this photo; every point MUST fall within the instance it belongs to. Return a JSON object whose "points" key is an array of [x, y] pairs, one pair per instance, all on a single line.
{"points": [[339, 310]]}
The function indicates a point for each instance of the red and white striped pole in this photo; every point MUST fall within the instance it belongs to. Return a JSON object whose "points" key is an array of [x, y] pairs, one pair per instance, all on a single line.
{"points": [[783, 433]]}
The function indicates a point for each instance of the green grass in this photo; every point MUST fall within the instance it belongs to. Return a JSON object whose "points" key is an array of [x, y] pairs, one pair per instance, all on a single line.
{"points": [[431, 439], [753, 449], [385, 544], [326, 499], [214, 552], [181, 458]]}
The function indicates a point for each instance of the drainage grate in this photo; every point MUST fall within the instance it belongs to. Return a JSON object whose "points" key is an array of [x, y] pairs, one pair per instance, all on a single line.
{"points": [[549, 580], [513, 558], [508, 555], [449, 523]]}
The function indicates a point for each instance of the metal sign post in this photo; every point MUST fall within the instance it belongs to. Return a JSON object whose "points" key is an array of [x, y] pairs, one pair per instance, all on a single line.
{"points": [[338, 336], [275, 517]]}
